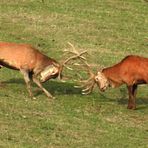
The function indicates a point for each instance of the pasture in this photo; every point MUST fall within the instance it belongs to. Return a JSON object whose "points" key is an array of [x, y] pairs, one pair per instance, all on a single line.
{"points": [[109, 30]]}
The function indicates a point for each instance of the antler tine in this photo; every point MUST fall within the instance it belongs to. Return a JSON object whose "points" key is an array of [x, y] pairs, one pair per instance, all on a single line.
{"points": [[88, 68], [74, 49], [85, 84], [79, 55], [76, 55], [88, 84], [76, 52], [88, 89]]}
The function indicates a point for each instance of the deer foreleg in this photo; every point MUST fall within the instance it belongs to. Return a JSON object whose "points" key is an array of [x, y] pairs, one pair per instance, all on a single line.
{"points": [[1, 66], [38, 83], [132, 96], [27, 81]]}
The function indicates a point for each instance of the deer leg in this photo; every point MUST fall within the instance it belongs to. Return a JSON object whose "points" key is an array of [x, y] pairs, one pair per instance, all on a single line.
{"points": [[0, 68], [38, 83], [27, 81], [132, 95]]}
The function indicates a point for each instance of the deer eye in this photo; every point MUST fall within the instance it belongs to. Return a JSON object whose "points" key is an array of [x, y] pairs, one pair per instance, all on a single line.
{"points": [[97, 79]]}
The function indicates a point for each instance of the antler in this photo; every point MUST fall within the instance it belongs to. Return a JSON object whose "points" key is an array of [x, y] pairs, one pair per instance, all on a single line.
{"points": [[88, 84], [75, 55]]}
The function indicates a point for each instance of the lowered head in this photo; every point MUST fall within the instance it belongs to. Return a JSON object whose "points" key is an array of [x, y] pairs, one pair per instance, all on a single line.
{"points": [[101, 81], [51, 71]]}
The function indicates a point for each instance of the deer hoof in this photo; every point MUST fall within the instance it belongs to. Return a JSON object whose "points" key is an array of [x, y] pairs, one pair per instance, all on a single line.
{"points": [[53, 98], [131, 107], [33, 98]]}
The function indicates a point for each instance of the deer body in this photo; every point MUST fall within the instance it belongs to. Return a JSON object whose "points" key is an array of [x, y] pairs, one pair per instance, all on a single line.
{"points": [[132, 71], [30, 62]]}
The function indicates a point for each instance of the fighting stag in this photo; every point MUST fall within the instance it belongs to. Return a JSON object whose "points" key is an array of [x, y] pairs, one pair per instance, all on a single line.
{"points": [[34, 65], [132, 71]]}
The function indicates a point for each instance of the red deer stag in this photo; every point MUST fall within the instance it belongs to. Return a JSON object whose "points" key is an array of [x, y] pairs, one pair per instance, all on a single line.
{"points": [[33, 64], [132, 71]]}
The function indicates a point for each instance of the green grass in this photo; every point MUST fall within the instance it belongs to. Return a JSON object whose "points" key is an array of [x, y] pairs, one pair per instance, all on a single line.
{"points": [[109, 30]]}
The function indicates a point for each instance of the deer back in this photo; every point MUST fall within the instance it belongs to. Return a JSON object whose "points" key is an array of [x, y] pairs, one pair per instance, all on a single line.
{"points": [[19, 56]]}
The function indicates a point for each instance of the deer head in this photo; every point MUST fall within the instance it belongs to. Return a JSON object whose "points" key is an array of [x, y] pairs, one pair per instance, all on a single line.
{"points": [[55, 69], [51, 71], [101, 81]]}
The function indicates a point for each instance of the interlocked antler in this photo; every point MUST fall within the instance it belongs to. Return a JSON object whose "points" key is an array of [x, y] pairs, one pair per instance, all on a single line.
{"points": [[88, 84], [75, 55]]}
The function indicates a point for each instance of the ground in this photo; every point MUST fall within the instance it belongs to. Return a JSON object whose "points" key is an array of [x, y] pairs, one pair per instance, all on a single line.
{"points": [[109, 30]]}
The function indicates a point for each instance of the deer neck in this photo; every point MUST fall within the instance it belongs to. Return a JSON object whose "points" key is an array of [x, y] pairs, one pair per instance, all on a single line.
{"points": [[113, 84], [113, 78]]}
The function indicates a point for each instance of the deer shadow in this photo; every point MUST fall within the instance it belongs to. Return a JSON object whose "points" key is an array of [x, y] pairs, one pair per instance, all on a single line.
{"points": [[54, 87], [61, 88], [123, 100]]}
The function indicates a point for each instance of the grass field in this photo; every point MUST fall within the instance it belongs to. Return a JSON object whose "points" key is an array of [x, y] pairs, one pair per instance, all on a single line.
{"points": [[109, 30]]}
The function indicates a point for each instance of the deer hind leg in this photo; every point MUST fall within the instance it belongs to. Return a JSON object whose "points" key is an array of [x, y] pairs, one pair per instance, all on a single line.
{"points": [[38, 83], [27, 81], [132, 90]]}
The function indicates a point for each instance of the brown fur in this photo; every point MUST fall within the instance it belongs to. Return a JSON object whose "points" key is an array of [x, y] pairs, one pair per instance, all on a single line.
{"points": [[29, 61], [132, 71]]}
